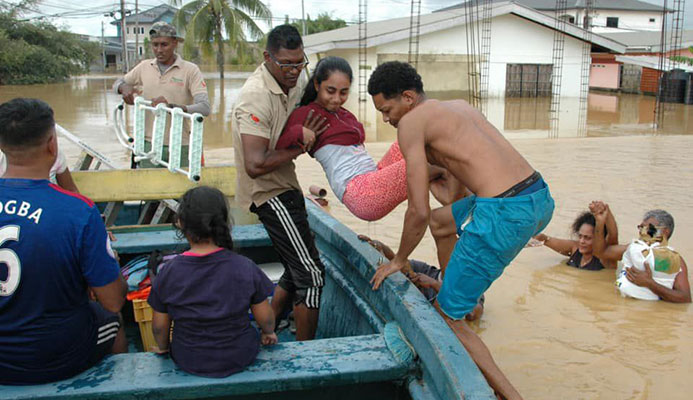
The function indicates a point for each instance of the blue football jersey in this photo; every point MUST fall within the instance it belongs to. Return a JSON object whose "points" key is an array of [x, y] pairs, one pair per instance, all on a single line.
{"points": [[53, 245]]}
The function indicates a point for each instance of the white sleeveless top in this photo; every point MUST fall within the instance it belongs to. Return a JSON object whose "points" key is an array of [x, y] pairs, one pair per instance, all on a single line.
{"points": [[343, 163], [636, 254]]}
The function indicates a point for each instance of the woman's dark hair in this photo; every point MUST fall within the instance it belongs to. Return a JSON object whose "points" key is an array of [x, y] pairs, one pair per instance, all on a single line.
{"points": [[392, 78], [585, 218], [323, 70], [203, 214]]}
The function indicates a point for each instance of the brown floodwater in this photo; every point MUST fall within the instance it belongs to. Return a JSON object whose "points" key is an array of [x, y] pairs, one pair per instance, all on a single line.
{"points": [[557, 332]]}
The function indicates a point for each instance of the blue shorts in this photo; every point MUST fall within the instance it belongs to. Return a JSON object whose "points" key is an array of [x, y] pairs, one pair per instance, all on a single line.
{"points": [[492, 232]]}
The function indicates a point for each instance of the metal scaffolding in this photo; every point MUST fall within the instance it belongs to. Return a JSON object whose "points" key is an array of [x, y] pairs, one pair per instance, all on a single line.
{"points": [[363, 60], [677, 26], [487, 17], [472, 30], [585, 68], [414, 25], [668, 46], [557, 71]]}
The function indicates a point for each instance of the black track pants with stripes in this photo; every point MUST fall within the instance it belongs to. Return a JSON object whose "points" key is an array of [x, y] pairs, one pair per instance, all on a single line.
{"points": [[286, 221]]}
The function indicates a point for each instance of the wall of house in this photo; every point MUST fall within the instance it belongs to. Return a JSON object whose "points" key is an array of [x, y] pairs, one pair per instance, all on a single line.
{"points": [[517, 41], [684, 52], [514, 40], [131, 35], [627, 20], [130, 31], [443, 65], [649, 80], [605, 75], [631, 76]]}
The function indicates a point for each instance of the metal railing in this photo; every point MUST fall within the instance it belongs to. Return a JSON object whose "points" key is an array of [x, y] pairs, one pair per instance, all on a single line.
{"points": [[136, 142]]}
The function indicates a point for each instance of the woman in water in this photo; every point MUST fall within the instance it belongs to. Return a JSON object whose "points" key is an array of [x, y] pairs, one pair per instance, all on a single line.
{"points": [[368, 189], [580, 251]]}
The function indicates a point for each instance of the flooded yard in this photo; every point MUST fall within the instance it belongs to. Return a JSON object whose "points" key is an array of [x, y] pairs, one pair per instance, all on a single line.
{"points": [[558, 332]]}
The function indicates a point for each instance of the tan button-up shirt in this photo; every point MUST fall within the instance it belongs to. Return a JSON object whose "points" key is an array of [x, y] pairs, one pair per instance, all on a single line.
{"points": [[261, 110], [179, 85]]}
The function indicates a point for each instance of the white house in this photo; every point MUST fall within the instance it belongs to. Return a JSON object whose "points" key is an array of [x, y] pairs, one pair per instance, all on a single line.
{"points": [[605, 15], [142, 22], [521, 40]]}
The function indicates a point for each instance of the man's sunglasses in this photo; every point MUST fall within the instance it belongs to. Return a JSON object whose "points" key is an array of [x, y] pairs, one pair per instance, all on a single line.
{"points": [[290, 67]]}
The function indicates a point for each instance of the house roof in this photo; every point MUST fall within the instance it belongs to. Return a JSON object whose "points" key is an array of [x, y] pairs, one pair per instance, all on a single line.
{"points": [[550, 5], [149, 16], [647, 41], [652, 62], [391, 30]]}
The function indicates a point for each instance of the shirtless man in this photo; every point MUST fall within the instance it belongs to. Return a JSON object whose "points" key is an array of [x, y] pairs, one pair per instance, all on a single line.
{"points": [[508, 201]]}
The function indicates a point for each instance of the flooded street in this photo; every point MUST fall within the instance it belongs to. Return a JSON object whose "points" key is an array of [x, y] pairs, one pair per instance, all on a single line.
{"points": [[557, 332]]}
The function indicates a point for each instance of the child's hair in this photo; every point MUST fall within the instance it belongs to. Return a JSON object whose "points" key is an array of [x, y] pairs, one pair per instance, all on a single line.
{"points": [[323, 70], [204, 214]]}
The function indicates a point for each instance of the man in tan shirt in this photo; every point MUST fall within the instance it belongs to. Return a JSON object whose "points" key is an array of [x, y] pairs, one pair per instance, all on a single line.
{"points": [[267, 183], [167, 79]]}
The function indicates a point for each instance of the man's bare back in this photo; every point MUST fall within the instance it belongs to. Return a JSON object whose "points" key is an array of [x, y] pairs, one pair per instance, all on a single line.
{"points": [[458, 138]]}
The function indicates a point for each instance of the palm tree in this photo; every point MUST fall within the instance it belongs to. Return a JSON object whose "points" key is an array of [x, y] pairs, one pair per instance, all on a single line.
{"points": [[206, 21]]}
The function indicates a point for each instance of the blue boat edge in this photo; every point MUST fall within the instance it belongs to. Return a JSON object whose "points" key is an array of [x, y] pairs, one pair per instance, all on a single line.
{"points": [[447, 370]]}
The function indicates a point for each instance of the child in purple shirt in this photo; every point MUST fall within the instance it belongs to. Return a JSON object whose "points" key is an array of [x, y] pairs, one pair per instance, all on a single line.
{"points": [[207, 292]]}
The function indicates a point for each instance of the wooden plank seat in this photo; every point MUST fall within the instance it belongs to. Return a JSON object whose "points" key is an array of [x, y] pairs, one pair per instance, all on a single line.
{"points": [[149, 183], [285, 366], [147, 238]]}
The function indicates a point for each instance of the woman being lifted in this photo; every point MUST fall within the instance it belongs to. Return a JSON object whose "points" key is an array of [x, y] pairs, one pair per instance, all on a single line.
{"points": [[368, 189]]}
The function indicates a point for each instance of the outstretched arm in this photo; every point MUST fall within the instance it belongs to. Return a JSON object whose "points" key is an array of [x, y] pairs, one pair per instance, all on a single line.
{"points": [[561, 246], [379, 246], [411, 143]]}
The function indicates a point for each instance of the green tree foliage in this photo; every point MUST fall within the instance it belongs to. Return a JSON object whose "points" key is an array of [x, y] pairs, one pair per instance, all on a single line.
{"points": [[39, 52], [207, 21], [683, 59], [324, 22]]}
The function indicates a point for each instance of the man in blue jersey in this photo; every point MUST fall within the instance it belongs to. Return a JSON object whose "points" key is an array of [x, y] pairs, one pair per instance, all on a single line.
{"points": [[53, 249]]}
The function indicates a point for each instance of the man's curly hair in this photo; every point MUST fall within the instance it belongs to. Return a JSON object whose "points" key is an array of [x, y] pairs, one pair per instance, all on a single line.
{"points": [[394, 77]]}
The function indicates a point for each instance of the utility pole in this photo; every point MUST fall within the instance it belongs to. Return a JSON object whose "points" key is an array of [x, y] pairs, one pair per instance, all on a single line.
{"points": [[269, 19], [103, 48], [126, 67], [303, 17], [137, 31]]}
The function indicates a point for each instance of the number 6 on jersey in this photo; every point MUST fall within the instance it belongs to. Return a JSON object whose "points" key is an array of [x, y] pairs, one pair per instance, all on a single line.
{"points": [[10, 259]]}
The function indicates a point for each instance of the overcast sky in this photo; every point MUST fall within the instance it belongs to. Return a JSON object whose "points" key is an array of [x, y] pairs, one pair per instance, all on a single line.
{"points": [[87, 19]]}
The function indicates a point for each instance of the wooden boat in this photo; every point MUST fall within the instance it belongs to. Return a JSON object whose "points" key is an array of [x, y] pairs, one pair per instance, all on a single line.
{"points": [[385, 344]]}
